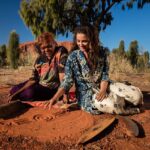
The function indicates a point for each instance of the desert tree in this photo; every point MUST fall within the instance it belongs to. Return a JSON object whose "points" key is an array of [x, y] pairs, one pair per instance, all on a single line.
{"points": [[146, 58], [121, 49], [62, 16], [1, 58], [133, 53], [143, 61], [2, 55], [13, 50], [140, 63], [114, 51]]}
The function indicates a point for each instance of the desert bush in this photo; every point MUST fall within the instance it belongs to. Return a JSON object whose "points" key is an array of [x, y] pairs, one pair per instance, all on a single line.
{"points": [[1, 61], [3, 55], [133, 53], [13, 50], [120, 64]]}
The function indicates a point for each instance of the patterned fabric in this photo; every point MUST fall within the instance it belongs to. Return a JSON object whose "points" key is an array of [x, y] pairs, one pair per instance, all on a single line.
{"points": [[49, 73], [40, 60], [122, 99], [77, 71], [37, 67]]}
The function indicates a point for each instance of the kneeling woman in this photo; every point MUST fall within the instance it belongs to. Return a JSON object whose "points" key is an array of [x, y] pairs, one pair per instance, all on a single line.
{"points": [[49, 72], [87, 67]]}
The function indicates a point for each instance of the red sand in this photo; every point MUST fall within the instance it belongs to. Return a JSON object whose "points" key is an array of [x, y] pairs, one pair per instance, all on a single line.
{"points": [[37, 128]]}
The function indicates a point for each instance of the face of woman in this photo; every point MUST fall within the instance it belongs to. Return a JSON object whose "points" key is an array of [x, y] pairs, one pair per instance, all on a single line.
{"points": [[82, 41], [48, 50]]}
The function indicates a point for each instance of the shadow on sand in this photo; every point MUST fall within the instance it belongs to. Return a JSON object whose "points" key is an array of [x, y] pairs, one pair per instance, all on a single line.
{"points": [[146, 100], [13, 109]]}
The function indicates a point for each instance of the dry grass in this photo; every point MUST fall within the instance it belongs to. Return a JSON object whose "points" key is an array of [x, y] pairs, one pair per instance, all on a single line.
{"points": [[118, 66], [14, 76]]}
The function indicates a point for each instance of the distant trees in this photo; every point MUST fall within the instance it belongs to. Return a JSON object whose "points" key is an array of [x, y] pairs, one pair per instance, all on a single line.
{"points": [[139, 60], [133, 53], [13, 50], [120, 51], [143, 61], [146, 57], [62, 16], [3, 55]]}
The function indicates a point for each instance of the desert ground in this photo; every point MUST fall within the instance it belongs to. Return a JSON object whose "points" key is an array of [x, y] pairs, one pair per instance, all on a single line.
{"points": [[41, 129]]}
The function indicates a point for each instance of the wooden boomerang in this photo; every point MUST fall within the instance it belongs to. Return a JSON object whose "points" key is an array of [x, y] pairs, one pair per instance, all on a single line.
{"points": [[11, 108], [131, 127], [95, 130]]}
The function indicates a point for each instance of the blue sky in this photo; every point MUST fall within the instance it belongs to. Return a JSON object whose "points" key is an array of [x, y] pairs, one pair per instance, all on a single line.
{"points": [[127, 25]]}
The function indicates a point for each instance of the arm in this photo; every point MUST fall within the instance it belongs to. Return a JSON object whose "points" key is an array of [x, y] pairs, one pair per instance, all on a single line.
{"points": [[61, 77], [105, 80], [58, 94], [61, 67], [102, 93], [27, 85]]}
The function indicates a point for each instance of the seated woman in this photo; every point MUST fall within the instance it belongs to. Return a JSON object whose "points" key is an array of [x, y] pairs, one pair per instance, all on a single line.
{"points": [[47, 75], [87, 67]]}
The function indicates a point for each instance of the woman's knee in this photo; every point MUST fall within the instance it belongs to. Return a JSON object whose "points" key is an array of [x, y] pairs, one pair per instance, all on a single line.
{"points": [[128, 92]]}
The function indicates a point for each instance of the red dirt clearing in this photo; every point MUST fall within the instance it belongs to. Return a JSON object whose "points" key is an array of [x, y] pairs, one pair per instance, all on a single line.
{"points": [[36, 128]]}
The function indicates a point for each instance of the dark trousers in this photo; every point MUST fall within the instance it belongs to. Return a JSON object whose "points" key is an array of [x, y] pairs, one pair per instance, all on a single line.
{"points": [[35, 92]]}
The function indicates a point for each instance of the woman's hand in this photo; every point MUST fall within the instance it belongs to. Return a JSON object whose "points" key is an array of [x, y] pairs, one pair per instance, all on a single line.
{"points": [[48, 104], [101, 95]]}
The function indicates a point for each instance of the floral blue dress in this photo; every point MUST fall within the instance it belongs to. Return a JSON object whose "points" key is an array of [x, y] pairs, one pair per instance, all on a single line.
{"points": [[77, 71]]}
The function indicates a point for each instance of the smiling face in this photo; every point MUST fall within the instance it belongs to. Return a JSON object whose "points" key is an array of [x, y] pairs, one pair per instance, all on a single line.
{"points": [[48, 49], [47, 44], [82, 41]]}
